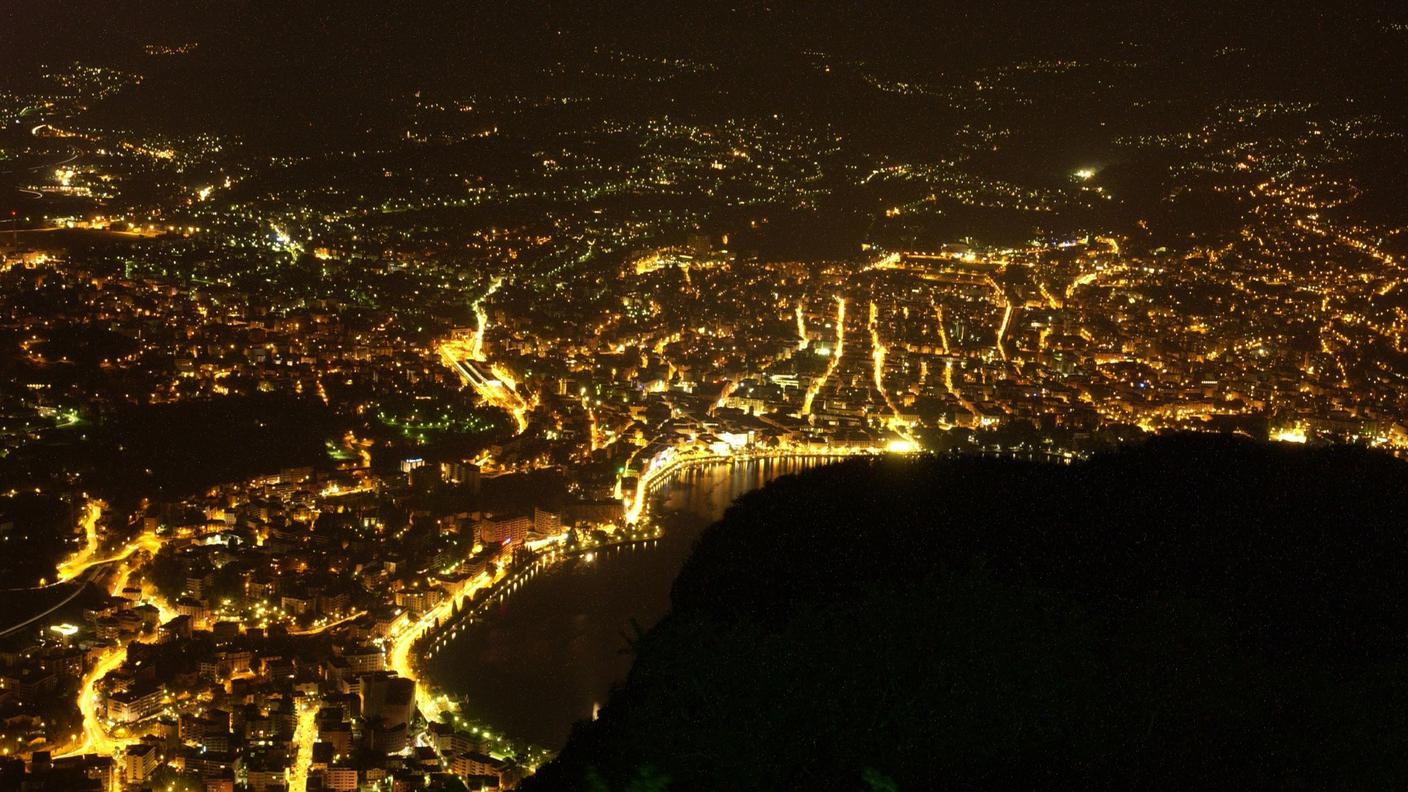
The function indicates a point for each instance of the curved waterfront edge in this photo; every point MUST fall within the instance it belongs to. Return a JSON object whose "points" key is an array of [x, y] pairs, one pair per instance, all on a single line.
{"points": [[455, 620], [432, 635]]}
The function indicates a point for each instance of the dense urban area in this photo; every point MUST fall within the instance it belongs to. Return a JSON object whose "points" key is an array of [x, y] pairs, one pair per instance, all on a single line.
{"points": [[280, 415]]}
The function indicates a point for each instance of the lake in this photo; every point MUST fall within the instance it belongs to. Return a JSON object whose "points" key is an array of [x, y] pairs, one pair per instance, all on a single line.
{"points": [[549, 653]]}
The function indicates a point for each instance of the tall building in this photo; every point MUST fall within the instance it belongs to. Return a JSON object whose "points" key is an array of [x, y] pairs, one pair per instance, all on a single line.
{"points": [[140, 762], [504, 529]]}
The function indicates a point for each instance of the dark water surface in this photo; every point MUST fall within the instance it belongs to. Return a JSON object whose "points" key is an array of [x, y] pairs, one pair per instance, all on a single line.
{"points": [[550, 652]]}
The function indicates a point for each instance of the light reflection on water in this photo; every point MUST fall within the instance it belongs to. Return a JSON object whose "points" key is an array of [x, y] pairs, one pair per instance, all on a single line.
{"points": [[550, 652]]}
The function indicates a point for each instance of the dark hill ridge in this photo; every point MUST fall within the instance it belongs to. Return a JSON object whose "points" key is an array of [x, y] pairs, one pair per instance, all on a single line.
{"points": [[1195, 612]]}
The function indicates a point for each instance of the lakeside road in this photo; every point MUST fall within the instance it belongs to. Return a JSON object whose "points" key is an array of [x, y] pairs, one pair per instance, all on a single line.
{"points": [[547, 652]]}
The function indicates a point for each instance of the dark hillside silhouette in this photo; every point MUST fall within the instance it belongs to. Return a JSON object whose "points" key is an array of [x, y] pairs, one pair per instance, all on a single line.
{"points": [[1196, 612]]}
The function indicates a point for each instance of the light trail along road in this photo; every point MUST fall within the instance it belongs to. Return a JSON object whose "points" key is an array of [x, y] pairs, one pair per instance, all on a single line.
{"points": [[81, 565], [820, 382]]}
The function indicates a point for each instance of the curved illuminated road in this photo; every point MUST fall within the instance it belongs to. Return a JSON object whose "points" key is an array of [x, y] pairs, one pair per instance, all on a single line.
{"points": [[79, 589], [664, 466], [80, 565], [86, 563], [95, 736], [73, 155], [590, 673], [403, 640]]}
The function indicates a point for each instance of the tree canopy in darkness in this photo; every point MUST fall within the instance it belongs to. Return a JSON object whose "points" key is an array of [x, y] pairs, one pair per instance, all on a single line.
{"points": [[1195, 612]]}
